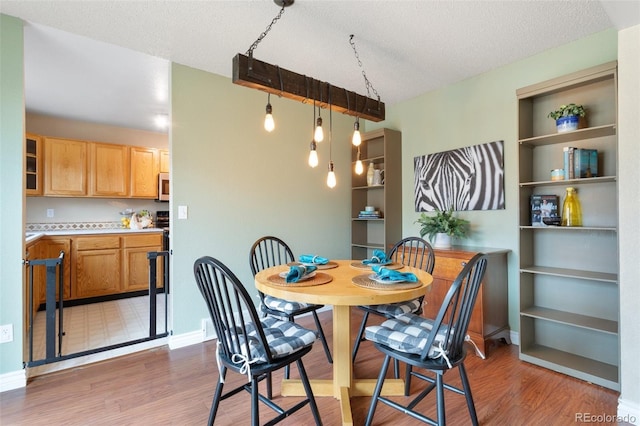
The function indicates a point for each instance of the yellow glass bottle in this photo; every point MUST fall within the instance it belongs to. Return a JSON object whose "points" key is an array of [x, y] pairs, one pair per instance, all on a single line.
{"points": [[571, 210]]}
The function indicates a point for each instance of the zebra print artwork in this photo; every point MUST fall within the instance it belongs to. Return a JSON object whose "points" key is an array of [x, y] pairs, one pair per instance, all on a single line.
{"points": [[470, 178]]}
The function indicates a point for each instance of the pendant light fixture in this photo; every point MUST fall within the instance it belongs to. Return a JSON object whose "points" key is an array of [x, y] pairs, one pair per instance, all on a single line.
{"points": [[331, 176], [356, 140], [313, 154], [318, 136], [269, 124], [359, 166]]}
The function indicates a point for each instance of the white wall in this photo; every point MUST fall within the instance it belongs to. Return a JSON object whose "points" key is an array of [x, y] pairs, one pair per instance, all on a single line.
{"points": [[629, 238]]}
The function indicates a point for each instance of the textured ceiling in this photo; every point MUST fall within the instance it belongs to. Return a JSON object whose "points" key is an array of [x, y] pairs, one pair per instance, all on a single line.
{"points": [[406, 47]]}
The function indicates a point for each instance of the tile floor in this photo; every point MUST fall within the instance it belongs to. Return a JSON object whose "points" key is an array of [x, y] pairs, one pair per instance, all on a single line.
{"points": [[102, 324]]}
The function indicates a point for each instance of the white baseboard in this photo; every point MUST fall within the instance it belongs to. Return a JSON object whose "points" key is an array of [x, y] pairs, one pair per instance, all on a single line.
{"points": [[515, 337], [13, 380], [628, 412], [181, 340]]}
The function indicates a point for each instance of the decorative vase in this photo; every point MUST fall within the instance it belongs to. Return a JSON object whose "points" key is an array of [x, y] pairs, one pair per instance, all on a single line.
{"points": [[370, 173], [442, 241], [571, 210], [567, 124]]}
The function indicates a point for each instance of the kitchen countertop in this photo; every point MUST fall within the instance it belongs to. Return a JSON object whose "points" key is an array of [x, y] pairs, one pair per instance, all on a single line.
{"points": [[32, 236]]}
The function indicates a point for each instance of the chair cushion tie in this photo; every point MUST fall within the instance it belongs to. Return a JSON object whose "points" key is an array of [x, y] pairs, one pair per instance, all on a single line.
{"points": [[246, 363]]}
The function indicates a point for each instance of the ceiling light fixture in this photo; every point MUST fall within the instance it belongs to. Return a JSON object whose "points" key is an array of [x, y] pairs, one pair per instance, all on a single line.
{"points": [[313, 154], [269, 124], [331, 176], [256, 74]]}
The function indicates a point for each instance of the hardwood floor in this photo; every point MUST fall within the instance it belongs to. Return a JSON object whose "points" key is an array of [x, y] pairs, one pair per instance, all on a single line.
{"points": [[160, 386]]}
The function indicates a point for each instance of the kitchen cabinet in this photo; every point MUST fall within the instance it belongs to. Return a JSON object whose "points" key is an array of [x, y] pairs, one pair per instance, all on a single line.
{"points": [[490, 317], [97, 266], [66, 167], [47, 248], [383, 149], [110, 167], [136, 264], [164, 161], [33, 164], [144, 172], [569, 297], [33, 251]]}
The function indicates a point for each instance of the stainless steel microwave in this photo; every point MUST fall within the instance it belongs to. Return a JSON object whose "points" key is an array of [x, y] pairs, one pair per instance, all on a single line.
{"points": [[163, 186]]}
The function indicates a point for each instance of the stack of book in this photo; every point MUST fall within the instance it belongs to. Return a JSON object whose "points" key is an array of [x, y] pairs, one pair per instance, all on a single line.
{"points": [[375, 214], [580, 163]]}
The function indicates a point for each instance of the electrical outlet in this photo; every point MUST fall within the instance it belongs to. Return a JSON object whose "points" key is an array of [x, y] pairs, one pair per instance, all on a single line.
{"points": [[6, 333], [50, 212]]}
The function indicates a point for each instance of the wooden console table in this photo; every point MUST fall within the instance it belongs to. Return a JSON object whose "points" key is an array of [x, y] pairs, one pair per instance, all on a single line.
{"points": [[490, 318]]}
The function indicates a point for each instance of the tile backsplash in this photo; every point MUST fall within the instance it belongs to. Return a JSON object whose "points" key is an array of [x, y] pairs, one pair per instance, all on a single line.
{"points": [[72, 226]]}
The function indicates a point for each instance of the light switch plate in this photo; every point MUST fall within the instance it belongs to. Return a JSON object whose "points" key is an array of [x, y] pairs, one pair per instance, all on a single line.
{"points": [[182, 212]]}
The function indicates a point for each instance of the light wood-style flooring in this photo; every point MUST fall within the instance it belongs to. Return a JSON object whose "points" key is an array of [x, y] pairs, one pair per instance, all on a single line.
{"points": [[174, 387]]}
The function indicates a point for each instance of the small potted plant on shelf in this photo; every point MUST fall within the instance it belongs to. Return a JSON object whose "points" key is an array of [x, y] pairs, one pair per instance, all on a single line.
{"points": [[442, 227], [567, 117]]}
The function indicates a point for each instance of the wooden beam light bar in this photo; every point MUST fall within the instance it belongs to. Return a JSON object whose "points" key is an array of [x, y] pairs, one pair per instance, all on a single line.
{"points": [[253, 73]]}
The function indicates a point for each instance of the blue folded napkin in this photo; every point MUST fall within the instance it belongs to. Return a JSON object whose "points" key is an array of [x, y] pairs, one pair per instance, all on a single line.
{"points": [[310, 258], [379, 258], [298, 271], [386, 274]]}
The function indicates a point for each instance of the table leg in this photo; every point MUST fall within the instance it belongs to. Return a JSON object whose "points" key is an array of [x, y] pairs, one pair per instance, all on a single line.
{"points": [[343, 386]]}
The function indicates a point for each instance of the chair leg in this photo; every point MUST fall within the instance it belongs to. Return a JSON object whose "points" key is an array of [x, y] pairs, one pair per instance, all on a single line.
{"points": [[467, 394], [440, 399], [322, 338], [396, 369], [377, 390], [269, 386], [356, 344], [216, 396], [407, 380], [307, 388], [255, 414]]}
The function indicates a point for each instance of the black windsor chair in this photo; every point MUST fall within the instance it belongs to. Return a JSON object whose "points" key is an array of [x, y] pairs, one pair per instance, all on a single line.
{"points": [[434, 345], [271, 251], [249, 345], [410, 251]]}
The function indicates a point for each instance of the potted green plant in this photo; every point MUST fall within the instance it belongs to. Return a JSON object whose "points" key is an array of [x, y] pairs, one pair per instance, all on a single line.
{"points": [[567, 117], [442, 227]]}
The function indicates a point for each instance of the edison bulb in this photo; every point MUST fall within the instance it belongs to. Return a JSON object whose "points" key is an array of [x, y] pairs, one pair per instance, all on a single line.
{"points": [[313, 155], [359, 167], [269, 124], [318, 136], [331, 177]]}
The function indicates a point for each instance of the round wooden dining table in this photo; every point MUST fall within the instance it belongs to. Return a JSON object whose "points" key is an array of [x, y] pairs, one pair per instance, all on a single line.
{"points": [[341, 284]]}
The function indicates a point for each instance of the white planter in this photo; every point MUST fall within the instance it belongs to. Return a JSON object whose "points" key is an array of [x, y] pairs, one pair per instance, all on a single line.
{"points": [[442, 241]]}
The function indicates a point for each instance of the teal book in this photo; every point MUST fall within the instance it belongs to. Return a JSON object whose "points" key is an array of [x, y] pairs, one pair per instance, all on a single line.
{"points": [[585, 163]]}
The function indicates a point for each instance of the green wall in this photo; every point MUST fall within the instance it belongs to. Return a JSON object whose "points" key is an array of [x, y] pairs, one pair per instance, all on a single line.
{"points": [[240, 182], [484, 109], [11, 198]]}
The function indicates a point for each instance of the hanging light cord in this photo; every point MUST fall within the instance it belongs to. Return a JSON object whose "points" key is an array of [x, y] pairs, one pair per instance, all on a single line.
{"points": [[266, 31], [367, 83]]}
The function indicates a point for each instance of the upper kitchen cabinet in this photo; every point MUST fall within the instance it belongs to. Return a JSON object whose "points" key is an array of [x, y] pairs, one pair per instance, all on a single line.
{"points": [[33, 164], [164, 161], [66, 167], [109, 170], [144, 172]]}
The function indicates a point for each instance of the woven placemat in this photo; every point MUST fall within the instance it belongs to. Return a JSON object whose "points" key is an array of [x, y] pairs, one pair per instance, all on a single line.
{"points": [[329, 265], [360, 265], [364, 281], [319, 278]]}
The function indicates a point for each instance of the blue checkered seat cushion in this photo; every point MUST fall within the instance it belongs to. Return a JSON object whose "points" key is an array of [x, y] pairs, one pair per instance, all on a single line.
{"points": [[392, 310], [282, 305], [407, 333], [283, 338]]}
